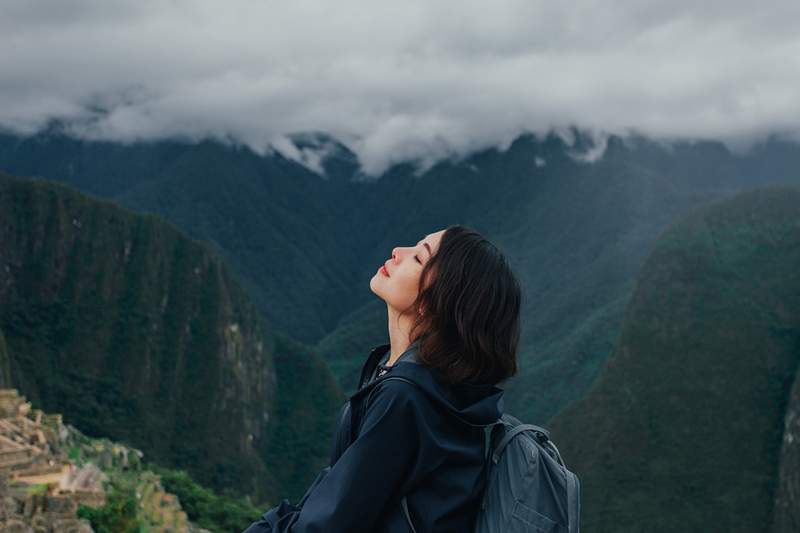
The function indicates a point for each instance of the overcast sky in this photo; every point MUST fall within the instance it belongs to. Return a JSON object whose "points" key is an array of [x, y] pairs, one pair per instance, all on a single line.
{"points": [[399, 80]]}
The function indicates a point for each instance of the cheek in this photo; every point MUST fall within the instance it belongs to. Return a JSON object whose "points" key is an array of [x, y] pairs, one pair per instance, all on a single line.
{"points": [[406, 286]]}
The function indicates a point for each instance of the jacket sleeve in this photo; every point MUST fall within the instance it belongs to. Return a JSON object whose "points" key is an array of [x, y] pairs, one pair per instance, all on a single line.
{"points": [[353, 495]]}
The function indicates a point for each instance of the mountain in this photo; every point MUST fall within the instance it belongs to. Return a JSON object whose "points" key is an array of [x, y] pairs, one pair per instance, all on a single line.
{"points": [[138, 333], [244, 205], [576, 223], [692, 424]]}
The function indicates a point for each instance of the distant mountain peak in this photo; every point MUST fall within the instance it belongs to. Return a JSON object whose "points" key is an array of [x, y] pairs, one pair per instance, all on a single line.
{"points": [[319, 152]]}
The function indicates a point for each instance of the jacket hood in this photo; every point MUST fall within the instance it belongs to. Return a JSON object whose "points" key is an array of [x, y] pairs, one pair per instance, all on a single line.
{"points": [[475, 404]]}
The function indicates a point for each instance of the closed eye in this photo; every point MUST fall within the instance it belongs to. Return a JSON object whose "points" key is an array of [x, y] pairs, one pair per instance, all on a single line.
{"points": [[417, 258]]}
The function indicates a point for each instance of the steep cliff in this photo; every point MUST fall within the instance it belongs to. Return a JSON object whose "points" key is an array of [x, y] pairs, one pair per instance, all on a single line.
{"points": [[691, 425], [138, 333]]}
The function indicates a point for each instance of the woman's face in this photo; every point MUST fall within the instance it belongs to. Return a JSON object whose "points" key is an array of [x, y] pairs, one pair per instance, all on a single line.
{"points": [[400, 287]]}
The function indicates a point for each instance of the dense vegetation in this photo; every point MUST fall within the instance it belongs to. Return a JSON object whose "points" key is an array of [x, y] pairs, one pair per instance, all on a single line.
{"points": [[691, 425], [118, 515], [137, 333], [304, 246], [205, 508]]}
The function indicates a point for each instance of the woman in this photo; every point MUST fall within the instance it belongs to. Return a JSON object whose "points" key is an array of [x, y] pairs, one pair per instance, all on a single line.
{"points": [[453, 305]]}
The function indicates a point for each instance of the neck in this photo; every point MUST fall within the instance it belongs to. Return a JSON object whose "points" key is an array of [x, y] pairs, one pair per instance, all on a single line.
{"points": [[399, 329]]}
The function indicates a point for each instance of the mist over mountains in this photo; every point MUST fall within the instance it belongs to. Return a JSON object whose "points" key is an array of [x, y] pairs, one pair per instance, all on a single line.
{"points": [[435, 79]]}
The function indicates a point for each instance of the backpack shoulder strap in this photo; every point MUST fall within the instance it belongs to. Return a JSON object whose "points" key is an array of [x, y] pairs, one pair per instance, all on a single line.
{"points": [[542, 434], [573, 504]]}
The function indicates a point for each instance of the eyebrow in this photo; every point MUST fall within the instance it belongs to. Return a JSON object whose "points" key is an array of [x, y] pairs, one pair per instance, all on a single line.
{"points": [[428, 246]]}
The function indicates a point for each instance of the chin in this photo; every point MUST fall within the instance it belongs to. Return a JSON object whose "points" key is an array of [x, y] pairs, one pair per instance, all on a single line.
{"points": [[372, 284]]}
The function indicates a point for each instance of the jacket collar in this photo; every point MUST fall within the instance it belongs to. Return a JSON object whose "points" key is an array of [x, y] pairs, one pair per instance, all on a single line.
{"points": [[379, 353], [375, 355], [475, 404]]}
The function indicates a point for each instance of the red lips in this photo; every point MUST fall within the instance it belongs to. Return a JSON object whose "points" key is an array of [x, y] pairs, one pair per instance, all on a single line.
{"points": [[384, 270]]}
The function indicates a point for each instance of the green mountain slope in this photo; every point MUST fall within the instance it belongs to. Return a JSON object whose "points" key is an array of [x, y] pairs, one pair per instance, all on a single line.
{"points": [[304, 246], [691, 424], [137, 333]]}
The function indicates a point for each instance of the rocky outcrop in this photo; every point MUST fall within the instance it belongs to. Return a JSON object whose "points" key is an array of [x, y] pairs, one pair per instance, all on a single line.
{"points": [[48, 470], [40, 489]]}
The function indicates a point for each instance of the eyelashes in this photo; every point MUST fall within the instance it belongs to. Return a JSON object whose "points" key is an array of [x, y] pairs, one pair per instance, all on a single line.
{"points": [[417, 258]]}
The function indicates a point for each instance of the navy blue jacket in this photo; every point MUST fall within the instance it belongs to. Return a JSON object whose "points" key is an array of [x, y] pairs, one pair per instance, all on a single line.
{"points": [[394, 439]]}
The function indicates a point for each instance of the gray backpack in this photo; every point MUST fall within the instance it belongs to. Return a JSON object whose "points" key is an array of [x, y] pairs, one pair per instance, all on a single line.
{"points": [[528, 487]]}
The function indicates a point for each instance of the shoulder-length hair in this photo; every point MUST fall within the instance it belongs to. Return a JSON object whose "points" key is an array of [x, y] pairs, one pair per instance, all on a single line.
{"points": [[468, 328]]}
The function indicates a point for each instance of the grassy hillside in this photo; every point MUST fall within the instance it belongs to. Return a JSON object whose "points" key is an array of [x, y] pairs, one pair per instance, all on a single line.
{"points": [[685, 429], [138, 333]]}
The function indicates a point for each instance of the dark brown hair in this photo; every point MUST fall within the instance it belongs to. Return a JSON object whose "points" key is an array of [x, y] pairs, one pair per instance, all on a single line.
{"points": [[470, 300]]}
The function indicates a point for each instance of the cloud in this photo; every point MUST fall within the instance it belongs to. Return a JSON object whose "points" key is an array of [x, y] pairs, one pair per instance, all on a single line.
{"points": [[411, 80], [309, 150]]}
